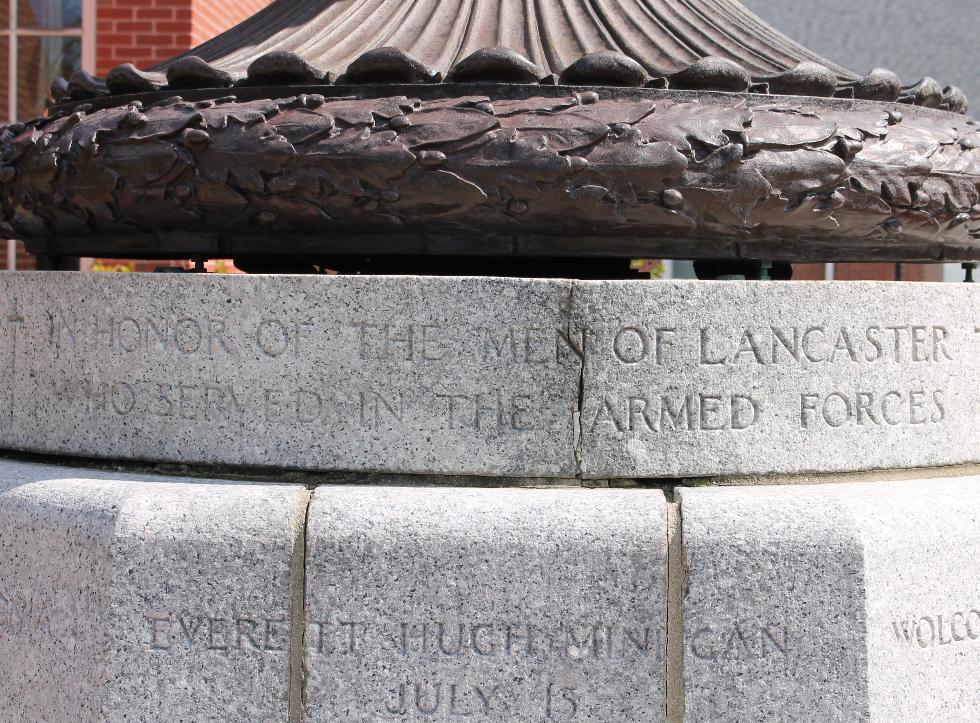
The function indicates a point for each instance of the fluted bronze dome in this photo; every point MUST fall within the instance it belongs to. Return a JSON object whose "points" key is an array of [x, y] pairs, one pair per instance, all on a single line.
{"points": [[661, 128]]}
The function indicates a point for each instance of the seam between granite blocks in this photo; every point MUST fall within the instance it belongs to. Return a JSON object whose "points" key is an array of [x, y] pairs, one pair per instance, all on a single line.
{"points": [[676, 582], [577, 442], [297, 612]]}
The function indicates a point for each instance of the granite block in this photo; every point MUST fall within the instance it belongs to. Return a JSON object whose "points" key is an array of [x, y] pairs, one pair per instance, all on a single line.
{"points": [[692, 379], [497, 377], [389, 374], [836, 602], [490, 605], [922, 566], [143, 598], [774, 624]]}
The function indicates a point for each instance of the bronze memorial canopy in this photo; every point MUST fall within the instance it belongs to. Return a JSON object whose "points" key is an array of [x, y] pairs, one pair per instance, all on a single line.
{"points": [[325, 130]]}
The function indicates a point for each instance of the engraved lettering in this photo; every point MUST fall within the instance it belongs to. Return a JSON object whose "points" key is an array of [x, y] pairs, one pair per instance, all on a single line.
{"points": [[808, 337], [274, 633], [355, 632], [131, 335], [939, 335], [877, 349], [201, 632], [823, 345], [793, 347], [247, 630], [483, 643], [399, 706], [739, 641], [218, 339], [156, 641], [272, 337], [188, 336], [747, 345], [486, 697], [921, 632], [495, 411], [889, 409], [925, 632], [189, 626], [447, 699], [454, 645], [214, 636], [514, 637], [668, 413], [430, 345], [377, 409], [411, 632], [631, 345], [432, 699], [704, 356], [576, 647], [561, 702]]}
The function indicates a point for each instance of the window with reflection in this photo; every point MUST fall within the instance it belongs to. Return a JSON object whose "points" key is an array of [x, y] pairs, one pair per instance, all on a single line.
{"points": [[49, 14], [41, 59], [41, 40], [4, 75]]}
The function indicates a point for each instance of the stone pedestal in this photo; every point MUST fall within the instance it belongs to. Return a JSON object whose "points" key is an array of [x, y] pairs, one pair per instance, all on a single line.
{"points": [[425, 499], [845, 601]]}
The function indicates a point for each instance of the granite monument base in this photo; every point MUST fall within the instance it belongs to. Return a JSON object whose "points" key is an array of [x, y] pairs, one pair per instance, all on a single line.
{"points": [[417, 499], [139, 597]]}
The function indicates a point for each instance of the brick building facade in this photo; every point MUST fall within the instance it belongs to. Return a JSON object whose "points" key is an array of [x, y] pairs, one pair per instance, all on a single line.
{"points": [[42, 39], [144, 32]]}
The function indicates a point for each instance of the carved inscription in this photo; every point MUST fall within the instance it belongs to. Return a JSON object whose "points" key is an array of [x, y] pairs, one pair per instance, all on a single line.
{"points": [[196, 632], [892, 408], [14, 325], [741, 641], [450, 396], [451, 699], [498, 643], [825, 345], [129, 335], [494, 410], [671, 413], [664, 379], [714, 408], [209, 402], [35, 615], [921, 632], [408, 343], [531, 345], [454, 699], [438, 639], [25, 615]]}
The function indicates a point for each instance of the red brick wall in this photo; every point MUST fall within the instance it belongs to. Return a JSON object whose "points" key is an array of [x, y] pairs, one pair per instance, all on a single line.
{"points": [[808, 272], [212, 17], [910, 272], [144, 32], [869, 272]]}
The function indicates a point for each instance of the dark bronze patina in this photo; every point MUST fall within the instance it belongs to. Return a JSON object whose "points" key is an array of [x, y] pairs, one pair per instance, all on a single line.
{"points": [[361, 134]]}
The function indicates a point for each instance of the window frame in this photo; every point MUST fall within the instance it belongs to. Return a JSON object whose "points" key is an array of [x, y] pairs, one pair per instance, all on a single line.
{"points": [[13, 32]]}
